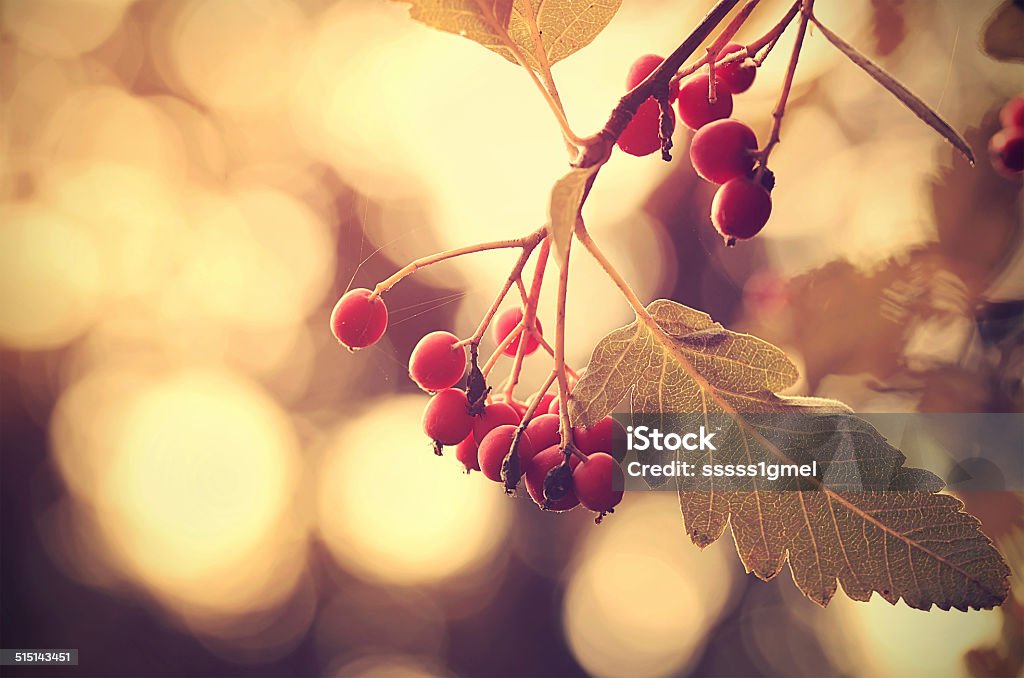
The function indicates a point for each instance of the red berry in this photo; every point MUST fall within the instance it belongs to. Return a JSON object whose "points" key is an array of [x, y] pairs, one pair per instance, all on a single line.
{"points": [[643, 67], [435, 364], [544, 404], [740, 209], [496, 445], [641, 136], [1007, 149], [694, 108], [556, 406], [594, 482], [1012, 115], [493, 416], [737, 76], [507, 322], [358, 322], [446, 418], [543, 431], [466, 452], [723, 150], [537, 471], [606, 435]]}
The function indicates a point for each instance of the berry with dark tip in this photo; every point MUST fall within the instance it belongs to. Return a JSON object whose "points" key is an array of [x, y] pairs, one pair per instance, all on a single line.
{"points": [[495, 447], [446, 418], [595, 480], [740, 209]]}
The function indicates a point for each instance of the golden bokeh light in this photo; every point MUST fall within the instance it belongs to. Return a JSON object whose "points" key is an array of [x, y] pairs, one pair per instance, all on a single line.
{"points": [[386, 666], [50, 278], [642, 599], [193, 480], [257, 258], [59, 28], [898, 640], [105, 123], [393, 512], [206, 40]]}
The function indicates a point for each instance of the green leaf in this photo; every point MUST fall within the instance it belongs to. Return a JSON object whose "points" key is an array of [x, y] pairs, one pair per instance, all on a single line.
{"points": [[898, 538], [909, 99], [566, 200], [564, 26]]}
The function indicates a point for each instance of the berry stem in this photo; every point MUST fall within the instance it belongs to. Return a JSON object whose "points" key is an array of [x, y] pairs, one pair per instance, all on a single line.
{"points": [[500, 348], [780, 108], [529, 321], [551, 351], [597, 146], [539, 53], [767, 40], [515, 277], [565, 429], [527, 242]]}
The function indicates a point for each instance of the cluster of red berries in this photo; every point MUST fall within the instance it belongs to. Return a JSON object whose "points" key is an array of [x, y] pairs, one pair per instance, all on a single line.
{"points": [[723, 150], [1007, 145], [484, 433]]}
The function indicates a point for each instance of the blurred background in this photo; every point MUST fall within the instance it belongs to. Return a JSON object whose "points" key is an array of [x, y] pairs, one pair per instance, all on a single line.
{"points": [[197, 480]]}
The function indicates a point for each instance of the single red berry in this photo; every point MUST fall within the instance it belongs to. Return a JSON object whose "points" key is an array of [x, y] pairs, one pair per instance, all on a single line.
{"points": [[594, 482], [1007, 150], [495, 447], [695, 110], [740, 209], [641, 136], [446, 418], [606, 435], [537, 471], [543, 431], [723, 150], [643, 67], [556, 406], [507, 322], [544, 404], [466, 452], [436, 362], [1012, 115], [493, 416], [357, 321], [735, 77]]}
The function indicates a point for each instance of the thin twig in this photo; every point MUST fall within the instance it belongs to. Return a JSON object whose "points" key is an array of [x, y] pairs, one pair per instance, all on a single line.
{"points": [[787, 85], [527, 241]]}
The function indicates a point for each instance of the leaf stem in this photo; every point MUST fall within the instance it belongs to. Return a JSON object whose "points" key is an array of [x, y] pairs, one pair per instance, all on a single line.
{"points": [[539, 53], [527, 242], [553, 102]]}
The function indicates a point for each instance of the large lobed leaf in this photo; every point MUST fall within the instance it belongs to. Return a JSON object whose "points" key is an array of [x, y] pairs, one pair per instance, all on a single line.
{"points": [[563, 26], [869, 523]]}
